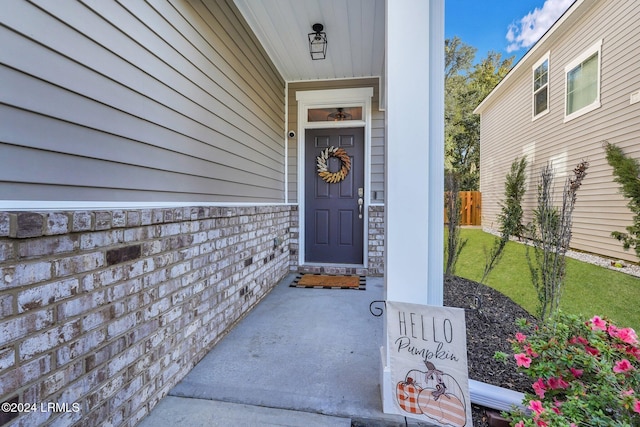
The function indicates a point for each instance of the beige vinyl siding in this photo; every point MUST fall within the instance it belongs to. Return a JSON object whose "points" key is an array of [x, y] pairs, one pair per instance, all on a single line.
{"points": [[507, 128], [137, 101], [377, 132]]}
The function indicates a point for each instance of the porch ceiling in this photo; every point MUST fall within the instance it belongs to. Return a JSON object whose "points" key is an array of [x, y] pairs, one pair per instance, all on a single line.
{"points": [[355, 35]]}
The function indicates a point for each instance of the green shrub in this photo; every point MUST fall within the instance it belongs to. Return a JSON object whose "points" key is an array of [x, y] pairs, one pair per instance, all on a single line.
{"points": [[627, 173], [586, 373], [551, 235], [510, 217]]}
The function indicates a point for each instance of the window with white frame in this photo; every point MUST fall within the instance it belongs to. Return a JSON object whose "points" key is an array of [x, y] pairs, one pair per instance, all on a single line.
{"points": [[582, 81], [541, 87]]}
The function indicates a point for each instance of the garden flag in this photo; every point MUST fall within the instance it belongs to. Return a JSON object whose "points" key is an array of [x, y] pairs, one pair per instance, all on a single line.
{"points": [[428, 363]]}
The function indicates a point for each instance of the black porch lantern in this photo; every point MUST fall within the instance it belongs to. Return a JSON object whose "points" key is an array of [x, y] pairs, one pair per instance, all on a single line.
{"points": [[318, 42]]}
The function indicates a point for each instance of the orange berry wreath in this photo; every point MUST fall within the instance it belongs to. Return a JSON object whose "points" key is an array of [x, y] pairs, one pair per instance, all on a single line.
{"points": [[323, 169]]}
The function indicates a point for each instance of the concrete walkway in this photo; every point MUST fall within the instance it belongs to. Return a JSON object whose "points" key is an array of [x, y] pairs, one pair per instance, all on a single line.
{"points": [[302, 357]]}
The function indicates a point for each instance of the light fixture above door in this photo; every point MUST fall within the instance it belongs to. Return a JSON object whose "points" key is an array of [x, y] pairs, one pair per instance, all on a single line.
{"points": [[334, 114], [318, 42], [339, 115]]}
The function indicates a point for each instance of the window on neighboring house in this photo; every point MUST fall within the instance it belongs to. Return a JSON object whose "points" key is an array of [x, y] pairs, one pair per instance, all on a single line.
{"points": [[541, 87], [582, 80]]}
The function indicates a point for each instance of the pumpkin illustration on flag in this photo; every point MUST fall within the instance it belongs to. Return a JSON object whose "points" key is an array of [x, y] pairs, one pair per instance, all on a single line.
{"points": [[434, 394], [407, 393]]}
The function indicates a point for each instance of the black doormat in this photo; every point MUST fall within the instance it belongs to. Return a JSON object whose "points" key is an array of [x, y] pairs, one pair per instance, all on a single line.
{"points": [[329, 281]]}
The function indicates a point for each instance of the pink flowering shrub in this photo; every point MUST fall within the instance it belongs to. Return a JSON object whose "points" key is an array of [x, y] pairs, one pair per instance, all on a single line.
{"points": [[584, 372]]}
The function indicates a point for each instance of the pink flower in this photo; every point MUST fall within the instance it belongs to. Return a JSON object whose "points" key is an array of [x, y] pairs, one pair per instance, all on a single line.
{"points": [[636, 406], [576, 372], [520, 337], [541, 423], [519, 424], [629, 392], [578, 340], [634, 351], [622, 366], [597, 324], [539, 388], [522, 360], [592, 351], [557, 383], [529, 351], [536, 406], [628, 335]]}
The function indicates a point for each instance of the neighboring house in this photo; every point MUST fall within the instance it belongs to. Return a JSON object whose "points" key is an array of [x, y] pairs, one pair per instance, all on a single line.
{"points": [[578, 86], [151, 192]]}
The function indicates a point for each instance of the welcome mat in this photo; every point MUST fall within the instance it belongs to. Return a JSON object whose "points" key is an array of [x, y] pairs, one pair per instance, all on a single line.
{"points": [[325, 281]]}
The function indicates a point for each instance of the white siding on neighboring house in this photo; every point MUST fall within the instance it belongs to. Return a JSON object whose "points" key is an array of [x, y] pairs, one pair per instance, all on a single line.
{"points": [[377, 132], [137, 101], [508, 130]]}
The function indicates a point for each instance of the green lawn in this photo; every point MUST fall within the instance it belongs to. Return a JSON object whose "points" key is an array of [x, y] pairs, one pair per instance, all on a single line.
{"points": [[589, 289]]}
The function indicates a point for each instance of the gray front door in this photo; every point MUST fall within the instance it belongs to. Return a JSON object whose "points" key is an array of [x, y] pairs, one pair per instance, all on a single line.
{"points": [[334, 221]]}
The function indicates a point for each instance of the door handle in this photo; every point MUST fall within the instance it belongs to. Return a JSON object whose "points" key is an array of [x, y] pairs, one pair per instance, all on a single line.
{"points": [[360, 203]]}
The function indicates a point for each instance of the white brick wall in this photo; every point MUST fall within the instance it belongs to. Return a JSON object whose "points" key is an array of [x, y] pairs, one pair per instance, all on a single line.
{"points": [[110, 309]]}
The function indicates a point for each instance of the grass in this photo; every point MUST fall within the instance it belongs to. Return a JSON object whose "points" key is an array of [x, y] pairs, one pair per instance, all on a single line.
{"points": [[589, 289]]}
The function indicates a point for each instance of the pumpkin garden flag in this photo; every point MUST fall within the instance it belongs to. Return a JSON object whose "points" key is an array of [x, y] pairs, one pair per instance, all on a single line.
{"points": [[428, 363]]}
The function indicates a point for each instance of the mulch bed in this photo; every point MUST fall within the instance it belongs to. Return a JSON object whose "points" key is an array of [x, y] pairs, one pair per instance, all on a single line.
{"points": [[488, 331]]}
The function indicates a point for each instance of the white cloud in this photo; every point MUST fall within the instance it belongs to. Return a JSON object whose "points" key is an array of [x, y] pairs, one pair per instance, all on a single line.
{"points": [[531, 27]]}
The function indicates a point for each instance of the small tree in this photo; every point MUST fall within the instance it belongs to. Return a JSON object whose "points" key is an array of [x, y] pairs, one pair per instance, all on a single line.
{"points": [[453, 204], [510, 218], [627, 173], [551, 235]]}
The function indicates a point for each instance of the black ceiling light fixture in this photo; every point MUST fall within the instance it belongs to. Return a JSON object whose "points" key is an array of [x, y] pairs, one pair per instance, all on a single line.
{"points": [[318, 42]]}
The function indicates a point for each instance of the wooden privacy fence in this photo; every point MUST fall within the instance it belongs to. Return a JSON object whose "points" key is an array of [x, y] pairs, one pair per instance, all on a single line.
{"points": [[470, 208]]}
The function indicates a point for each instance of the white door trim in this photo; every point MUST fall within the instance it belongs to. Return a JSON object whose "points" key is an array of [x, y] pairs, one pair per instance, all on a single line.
{"points": [[331, 98]]}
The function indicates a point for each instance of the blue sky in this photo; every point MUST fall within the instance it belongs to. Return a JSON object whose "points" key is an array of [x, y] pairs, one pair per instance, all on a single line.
{"points": [[509, 27]]}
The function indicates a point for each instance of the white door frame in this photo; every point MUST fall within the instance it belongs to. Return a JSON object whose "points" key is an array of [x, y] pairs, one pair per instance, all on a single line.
{"points": [[332, 98]]}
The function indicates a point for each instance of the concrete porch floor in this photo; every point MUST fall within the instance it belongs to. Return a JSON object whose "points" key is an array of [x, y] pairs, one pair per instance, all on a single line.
{"points": [[301, 357]]}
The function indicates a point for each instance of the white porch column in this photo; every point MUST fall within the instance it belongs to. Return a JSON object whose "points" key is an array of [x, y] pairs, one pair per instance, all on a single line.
{"points": [[414, 151], [414, 192]]}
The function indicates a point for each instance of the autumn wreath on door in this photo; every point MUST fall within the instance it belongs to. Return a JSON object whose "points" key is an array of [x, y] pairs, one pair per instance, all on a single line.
{"points": [[323, 167]]}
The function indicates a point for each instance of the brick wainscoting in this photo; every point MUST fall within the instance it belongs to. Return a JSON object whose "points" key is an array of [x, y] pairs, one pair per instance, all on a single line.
{"points": [[108, 310], [376, 240]]}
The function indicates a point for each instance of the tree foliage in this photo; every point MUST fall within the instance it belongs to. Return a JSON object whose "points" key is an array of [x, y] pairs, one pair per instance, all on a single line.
{"points": [[454, 243], [510, 220], [510, 217], [627, 173], [551, 236], [466, 85]]}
